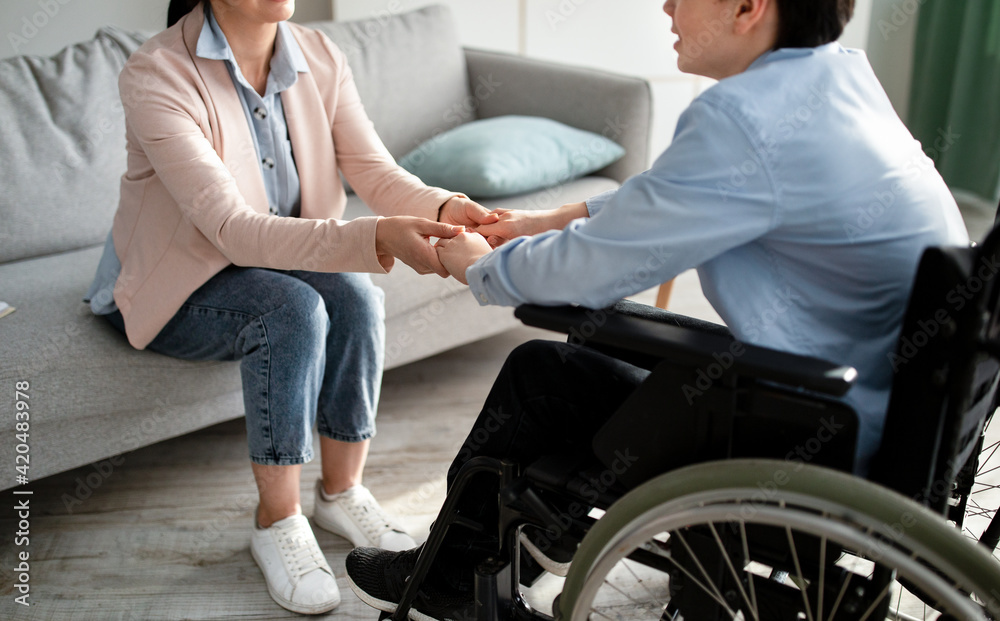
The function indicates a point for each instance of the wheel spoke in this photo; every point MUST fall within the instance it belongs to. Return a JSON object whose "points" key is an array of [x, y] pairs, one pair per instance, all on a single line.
{"points": [[732, 570], [798, 573], [644, 585], [840, 596], [822, 577], [750, 575], [877, 602], [713, 592]]}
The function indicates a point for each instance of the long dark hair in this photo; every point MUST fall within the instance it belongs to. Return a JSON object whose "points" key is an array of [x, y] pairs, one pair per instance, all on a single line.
{"points": [[180, 8]]}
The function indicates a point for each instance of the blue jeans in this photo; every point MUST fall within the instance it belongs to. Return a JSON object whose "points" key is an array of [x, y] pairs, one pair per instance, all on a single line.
{"points": [[311, 350]]}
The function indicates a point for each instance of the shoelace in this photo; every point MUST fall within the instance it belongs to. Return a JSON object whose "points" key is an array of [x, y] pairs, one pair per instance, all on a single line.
{"points": [[300, 551], [368, 515]]}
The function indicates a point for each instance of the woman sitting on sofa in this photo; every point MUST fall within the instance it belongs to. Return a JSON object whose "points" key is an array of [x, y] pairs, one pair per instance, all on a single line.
{"points": [[227, 245]]}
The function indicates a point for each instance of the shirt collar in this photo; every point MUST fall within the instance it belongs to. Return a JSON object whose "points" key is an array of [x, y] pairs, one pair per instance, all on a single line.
{"points": [[794, 52], [286, 63]]}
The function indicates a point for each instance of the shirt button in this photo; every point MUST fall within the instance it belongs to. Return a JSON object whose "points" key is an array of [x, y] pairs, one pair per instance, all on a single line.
{"points": [[483, 297], [268, 163], [274, 210], [260, 113]]}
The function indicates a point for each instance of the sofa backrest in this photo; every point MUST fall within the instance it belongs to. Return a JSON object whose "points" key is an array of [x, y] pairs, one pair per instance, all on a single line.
{"points": [[410, 71], [62, 144], [62, 129]]}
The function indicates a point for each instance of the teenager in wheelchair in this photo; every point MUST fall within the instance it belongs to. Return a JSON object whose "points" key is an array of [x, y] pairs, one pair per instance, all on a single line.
{"points": [[726, 459]]}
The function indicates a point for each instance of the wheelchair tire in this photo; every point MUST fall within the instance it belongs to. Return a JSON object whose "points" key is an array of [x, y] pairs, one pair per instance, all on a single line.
{"points": [[847, 542]]}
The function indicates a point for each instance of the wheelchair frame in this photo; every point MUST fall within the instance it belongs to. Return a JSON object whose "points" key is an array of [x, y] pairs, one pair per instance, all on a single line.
{"points": [[943, 394]]}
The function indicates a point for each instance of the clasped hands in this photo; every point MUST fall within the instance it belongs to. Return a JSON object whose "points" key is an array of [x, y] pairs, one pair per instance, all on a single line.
{"points": [[466, 231]]}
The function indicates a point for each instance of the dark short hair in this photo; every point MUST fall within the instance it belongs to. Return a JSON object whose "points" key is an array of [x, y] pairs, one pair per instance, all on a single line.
{"points": [[811, 23], [180, 8]]}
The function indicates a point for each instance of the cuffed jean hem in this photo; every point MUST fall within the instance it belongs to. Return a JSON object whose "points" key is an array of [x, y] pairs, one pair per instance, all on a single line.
{"points": [[283, 461], [344, 437]]}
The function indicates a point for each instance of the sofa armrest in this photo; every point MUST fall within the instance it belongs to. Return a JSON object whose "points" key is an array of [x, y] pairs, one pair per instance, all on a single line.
{"points": [[616, 106]]}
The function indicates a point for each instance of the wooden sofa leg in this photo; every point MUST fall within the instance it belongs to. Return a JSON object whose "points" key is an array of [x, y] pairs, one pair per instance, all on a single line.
{"points": [[663, 294]]}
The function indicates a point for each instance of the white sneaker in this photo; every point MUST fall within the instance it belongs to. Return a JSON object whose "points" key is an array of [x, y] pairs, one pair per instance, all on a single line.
{"points": [[354, 514], [297, 574]]}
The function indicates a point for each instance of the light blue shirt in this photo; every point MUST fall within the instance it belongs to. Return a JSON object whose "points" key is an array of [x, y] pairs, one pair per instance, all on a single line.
{"points": [[266, 118], [798, 194]]}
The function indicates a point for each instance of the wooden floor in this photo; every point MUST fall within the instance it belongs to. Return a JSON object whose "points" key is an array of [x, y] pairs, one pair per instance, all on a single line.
{"points": [[164, 535]]}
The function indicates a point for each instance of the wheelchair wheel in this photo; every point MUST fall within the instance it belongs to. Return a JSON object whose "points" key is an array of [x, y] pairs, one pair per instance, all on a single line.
{"points": [[774, 541], [981, 522]]}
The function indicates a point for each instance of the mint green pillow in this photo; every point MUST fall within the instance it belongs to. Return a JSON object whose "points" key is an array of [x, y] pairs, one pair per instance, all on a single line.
{"points": [[509, 155]]}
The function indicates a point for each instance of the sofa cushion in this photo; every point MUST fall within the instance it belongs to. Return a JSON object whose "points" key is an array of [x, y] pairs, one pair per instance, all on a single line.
{"points": [[508, 155], [91, 394], [62, 143], [410, 71]]}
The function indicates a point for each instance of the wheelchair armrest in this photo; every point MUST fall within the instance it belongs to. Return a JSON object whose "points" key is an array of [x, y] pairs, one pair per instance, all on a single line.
{"points": [[635, 328]]}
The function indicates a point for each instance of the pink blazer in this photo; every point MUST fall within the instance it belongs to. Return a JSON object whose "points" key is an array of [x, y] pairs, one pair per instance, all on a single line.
{"points": [[193, 200]]}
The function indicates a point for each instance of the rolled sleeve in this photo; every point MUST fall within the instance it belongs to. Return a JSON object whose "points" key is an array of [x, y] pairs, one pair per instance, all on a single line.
{"points": [[595, 203], [488, 278]]}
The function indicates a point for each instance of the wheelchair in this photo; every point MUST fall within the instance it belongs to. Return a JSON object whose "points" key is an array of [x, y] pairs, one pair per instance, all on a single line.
{"points": [[741, 504]]}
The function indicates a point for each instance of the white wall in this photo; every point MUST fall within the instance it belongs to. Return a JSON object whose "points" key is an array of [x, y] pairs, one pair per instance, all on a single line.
{"points": [[44, 27], [856, 33], [626, 36], [891, 41]]}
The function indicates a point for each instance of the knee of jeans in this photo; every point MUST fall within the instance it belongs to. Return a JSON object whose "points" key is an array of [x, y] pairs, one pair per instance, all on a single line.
{"points": [[362, 300], [304, 312]]}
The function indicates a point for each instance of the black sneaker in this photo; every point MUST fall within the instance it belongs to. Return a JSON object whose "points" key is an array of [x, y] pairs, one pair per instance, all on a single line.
{"points": [[378, 577]]}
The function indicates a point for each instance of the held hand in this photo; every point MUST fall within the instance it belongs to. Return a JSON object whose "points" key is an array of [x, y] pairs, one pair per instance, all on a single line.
{"points": [[516, 223], [408, 238], [465, 212], [461, 251]]}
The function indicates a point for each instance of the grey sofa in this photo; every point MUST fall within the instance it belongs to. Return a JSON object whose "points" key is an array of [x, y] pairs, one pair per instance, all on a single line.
{"points": [[91, 395]]}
